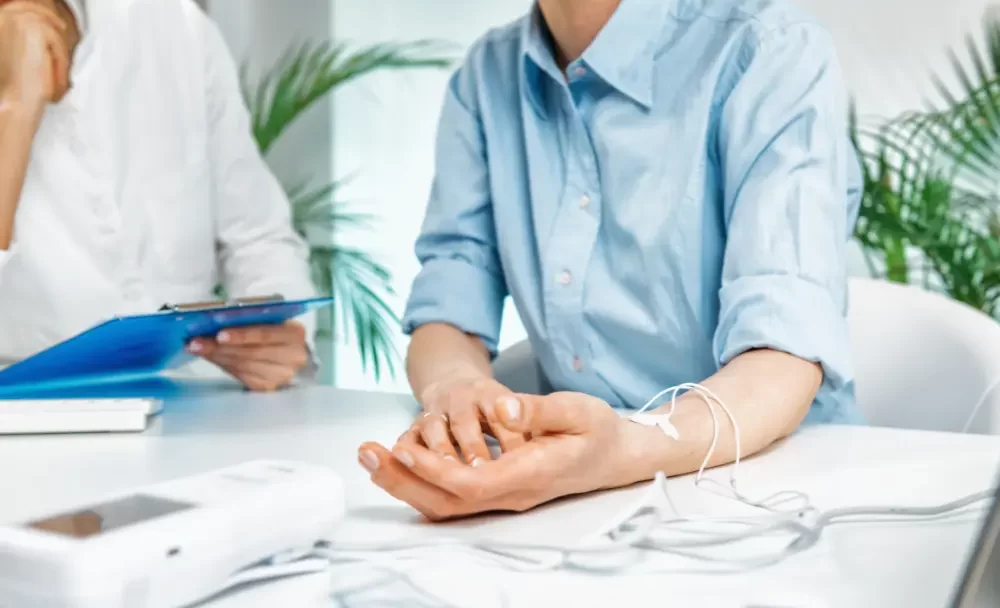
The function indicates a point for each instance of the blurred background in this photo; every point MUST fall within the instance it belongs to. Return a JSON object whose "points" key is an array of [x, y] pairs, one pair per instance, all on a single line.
{"points": [[345, 97]]}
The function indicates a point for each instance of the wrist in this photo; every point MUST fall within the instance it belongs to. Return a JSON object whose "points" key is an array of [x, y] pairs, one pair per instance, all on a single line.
{"points": [[450, 377], [21, 114], [641, 454]]}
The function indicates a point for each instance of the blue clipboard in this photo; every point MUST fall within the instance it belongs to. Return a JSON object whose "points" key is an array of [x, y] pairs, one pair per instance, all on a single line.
{"points": [[136, 349]]}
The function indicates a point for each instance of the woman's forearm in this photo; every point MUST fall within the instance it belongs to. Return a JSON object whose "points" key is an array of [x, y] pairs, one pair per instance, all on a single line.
{"points": [[768, 392], [17, 131], [441, 353]]}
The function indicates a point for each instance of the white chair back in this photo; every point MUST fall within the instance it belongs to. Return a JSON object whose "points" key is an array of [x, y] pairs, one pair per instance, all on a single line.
{"points": [[517, 369], [922, 360]]}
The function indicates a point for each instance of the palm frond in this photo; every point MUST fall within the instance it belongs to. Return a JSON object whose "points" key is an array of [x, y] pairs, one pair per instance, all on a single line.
{"points": [[360, 286], [357, 282], [965, 133], [932, 181], [914, 216], [310, 71], [316, 210]]}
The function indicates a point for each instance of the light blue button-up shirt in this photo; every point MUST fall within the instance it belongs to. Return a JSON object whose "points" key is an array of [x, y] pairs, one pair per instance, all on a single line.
{"points": [[683, 193]]}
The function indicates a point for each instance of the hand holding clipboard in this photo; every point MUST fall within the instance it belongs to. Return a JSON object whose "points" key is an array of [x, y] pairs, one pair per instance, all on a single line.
{"points": [[262, 357], [140, 347]]}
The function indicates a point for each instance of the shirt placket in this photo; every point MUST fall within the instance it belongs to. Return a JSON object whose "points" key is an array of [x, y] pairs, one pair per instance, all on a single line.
{"points": [[572, 240]]}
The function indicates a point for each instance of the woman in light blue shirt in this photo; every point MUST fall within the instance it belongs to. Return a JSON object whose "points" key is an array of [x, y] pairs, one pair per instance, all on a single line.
{"points": [[665, 189]]}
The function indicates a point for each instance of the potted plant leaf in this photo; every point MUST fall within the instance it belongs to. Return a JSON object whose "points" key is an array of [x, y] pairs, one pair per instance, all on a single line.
{"points": [[929, 213]]}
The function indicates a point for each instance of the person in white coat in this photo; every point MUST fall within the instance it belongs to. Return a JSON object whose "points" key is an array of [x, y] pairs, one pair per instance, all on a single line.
{"points": [[130, 179]]}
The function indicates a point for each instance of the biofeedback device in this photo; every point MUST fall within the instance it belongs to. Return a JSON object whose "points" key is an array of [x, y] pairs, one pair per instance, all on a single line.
{"points": [[172, 544]]}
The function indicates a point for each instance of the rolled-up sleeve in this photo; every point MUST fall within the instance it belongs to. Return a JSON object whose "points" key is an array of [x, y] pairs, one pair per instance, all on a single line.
{"points": [[790, 209], [460, 281]]}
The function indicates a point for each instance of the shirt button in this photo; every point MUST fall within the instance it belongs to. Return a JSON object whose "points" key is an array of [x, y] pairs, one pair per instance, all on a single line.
{"points": [[579, 70], [565, 278], [577, 364], [584, 201]]}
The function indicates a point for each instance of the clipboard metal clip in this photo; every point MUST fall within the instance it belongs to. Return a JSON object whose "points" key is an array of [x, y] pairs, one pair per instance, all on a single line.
{"points": [[232, 303]]}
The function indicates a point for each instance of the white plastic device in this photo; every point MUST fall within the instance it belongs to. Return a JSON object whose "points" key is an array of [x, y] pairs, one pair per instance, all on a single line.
{"points": [[172, 544], [66, 416]]}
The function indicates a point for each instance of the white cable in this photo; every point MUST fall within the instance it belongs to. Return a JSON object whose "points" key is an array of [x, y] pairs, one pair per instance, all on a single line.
{"points": [[393, 572], [769, 503], [802, 536], [707, 396], [270, 571], [803, 533], [979, 404]]}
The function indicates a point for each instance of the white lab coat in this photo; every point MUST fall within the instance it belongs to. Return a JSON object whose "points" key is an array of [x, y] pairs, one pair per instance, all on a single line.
{"points": [[145, 186]]}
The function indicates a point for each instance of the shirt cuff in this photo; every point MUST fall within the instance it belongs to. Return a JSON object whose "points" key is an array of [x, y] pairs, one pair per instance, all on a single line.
{"points": [[453, 291], [308, 375], [789, 314]]}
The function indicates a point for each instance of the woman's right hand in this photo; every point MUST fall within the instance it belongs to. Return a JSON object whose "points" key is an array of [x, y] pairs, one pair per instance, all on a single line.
{"points": [[34, 54], [458, 415]]}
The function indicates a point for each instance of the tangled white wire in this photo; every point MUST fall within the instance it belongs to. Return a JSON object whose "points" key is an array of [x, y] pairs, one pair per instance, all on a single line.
{"points": [[641, 532], [769, 503]]}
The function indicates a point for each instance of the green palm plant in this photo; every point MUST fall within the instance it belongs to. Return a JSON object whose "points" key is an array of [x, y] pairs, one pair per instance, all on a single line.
{"points": [[360, 284], [932, 182]]}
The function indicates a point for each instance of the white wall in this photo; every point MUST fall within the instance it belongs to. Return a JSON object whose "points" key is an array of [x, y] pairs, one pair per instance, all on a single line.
{"points": [[889, 48], [383, 127]]}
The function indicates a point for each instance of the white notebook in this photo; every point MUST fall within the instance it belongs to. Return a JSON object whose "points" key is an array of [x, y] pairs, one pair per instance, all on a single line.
{"points": [[69, 416]]}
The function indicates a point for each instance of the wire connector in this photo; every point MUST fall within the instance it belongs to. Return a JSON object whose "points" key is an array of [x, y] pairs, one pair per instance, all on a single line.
{"points": [[658, 420]]}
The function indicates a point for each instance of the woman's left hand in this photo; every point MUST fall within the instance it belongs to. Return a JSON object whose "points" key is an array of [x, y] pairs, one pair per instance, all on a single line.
{"points": [[577, 446]]}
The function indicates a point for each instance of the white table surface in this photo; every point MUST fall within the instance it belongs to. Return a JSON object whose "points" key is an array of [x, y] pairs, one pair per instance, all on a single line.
{"points": [[878, 565]]}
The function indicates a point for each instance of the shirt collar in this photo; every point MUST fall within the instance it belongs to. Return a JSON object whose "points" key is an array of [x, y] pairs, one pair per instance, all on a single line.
{"points": [[538, 59], [623, 54]]}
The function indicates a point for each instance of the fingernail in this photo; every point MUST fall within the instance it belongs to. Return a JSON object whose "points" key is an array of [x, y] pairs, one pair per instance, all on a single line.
{"points": [[195, 347], [478, 462], [368, 460], [404, 457], [450, 458], [223, 337], [513, 407]]}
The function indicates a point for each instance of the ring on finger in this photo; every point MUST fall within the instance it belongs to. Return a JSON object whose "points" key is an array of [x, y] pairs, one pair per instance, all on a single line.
{"points": [[444, 417]]}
